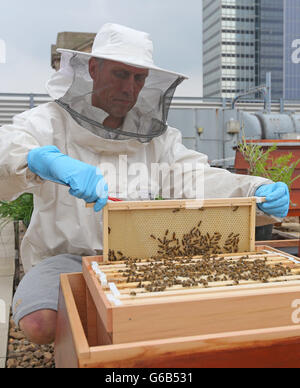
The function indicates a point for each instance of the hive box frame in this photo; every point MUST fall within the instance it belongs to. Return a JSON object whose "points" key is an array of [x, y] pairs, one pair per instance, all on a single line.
{"points": [[78, 346], [157, 207], [209, 311], [226, 308]]}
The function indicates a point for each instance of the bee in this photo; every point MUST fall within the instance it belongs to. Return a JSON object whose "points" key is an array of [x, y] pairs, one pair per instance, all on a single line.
{"points": [[176, 211], [109, 230], [154, 238], [235, 208], [133, 293]]}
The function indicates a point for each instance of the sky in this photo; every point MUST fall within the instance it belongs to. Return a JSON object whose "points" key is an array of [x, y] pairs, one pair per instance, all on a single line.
{"points": [[28, 28]]}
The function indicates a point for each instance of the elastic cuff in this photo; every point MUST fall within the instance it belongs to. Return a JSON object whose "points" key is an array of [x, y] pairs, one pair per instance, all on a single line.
{"points": [[255, 187]]}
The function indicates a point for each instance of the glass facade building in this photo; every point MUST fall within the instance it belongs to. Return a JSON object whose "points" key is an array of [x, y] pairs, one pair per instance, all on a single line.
{"points": [[229, 47], [270, 50], [245, 39], [291, 49]]}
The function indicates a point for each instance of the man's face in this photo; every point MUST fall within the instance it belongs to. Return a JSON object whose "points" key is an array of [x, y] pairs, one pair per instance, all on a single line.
{"points": [[116, 86]]}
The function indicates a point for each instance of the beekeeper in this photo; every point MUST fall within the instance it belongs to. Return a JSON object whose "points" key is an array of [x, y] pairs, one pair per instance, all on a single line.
{"points": [[110, 103]]}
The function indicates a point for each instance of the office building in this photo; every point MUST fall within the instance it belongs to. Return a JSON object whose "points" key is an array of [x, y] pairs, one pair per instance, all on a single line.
{"points": [[291, 50], [270, 56], [245, 39], [229, 47]]}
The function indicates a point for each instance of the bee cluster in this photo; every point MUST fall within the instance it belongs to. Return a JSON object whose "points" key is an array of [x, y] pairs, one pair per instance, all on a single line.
{"points": [[176, 263], [159, 274], [191, 244]]}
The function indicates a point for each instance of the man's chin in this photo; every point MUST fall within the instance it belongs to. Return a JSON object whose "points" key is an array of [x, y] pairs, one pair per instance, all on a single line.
{"points": [[120, 113]]}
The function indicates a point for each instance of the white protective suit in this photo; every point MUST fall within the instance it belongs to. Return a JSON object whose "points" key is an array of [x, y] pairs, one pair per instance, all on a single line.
{"points": [[60, 222]]}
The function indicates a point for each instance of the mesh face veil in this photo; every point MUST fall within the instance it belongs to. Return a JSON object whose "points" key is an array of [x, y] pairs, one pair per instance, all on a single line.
{"points": [[144, 121]]}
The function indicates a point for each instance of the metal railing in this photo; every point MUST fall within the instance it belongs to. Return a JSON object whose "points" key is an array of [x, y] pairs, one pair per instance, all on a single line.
{"points": [[12, 104]]}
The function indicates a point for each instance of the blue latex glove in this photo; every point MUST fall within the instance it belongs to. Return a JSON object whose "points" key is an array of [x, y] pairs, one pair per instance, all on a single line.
{"points": [[85, 181], [277, 199]]}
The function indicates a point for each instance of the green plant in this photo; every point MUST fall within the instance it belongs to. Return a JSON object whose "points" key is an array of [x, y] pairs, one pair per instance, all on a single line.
{"points": [[17, 210], [262, 164]]}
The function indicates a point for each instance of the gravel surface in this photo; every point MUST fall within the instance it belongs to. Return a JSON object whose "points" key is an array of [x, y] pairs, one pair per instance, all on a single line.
{"points": [[24, 354]]}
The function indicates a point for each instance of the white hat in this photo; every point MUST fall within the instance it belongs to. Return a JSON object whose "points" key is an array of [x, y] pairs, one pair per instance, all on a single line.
{"points": [[122, 44]]}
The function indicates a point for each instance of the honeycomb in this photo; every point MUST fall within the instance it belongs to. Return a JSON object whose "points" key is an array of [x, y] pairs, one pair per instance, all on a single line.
{"points": [[130, 230]]}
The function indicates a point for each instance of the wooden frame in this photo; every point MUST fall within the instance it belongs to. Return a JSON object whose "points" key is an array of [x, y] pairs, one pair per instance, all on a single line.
{"points": [[178, 204], [276, 347], [280, 243], [198, 311]]}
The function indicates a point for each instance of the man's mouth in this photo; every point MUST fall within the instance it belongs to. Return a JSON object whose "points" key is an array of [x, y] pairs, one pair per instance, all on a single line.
{"points": [[123, 102]]}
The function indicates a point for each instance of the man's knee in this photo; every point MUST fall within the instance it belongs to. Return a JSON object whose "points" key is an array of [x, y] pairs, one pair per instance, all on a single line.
{"points": [[39, 327]]}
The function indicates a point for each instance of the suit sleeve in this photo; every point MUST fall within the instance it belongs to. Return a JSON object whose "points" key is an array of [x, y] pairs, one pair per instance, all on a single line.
{"points": [[16, 140], [197, 179]]}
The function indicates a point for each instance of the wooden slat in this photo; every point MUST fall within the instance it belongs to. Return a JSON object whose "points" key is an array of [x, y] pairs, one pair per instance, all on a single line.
{"points": [[254, 255], [252, 224], [272, 258], [180, 204], [173, 317], [171, 293], [197, 291], [70, 335], [105, 233], [263, 348], [92, 331], [102, 304], [280, 243]]}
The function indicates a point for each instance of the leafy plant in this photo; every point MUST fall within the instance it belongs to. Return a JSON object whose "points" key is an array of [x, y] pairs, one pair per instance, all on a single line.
{"points": [[262, 164], [18, 210]]}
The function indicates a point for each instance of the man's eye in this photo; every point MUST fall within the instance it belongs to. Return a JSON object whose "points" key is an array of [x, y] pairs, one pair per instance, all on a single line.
{"points": [[140, 78], [121, 74]]}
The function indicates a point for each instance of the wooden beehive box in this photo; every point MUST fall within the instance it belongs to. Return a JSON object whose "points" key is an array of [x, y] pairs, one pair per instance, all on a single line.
{"points": [[128, 312], [81, 341]]}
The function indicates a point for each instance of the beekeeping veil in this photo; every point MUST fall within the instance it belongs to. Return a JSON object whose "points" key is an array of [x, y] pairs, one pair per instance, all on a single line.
{"points": [[72, 86]]}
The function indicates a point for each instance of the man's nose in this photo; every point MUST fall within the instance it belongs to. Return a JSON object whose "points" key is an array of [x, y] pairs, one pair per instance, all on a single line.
{"points": [[128, 86]]}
